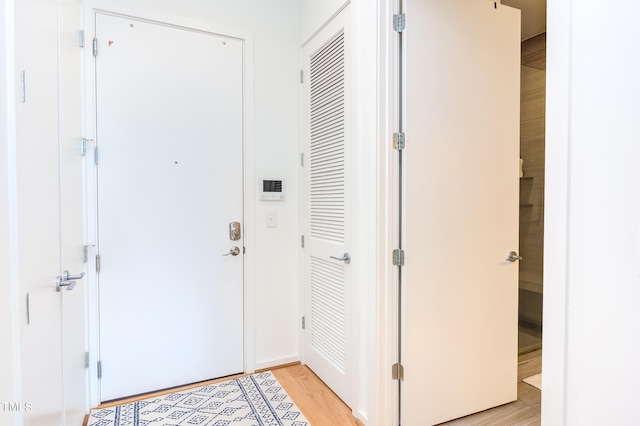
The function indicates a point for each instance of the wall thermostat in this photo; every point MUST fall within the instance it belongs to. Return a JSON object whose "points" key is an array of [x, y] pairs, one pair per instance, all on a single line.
{"points": [[271, 189]]}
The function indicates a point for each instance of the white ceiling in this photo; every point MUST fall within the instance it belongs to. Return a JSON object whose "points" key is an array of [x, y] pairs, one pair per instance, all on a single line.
{"points": [[534, 16]]}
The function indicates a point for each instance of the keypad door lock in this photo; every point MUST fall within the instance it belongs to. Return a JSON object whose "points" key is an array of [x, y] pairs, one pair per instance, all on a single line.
{"points": [[234, 231]]}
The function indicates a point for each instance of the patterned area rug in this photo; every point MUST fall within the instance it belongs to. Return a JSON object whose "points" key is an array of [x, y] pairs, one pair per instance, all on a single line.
{"points": [[258, 399]]}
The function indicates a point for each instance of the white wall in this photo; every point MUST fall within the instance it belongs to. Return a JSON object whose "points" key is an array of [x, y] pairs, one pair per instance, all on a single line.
{"points": [[316, 13], [7, 302], [272, 29], [592, 238]]}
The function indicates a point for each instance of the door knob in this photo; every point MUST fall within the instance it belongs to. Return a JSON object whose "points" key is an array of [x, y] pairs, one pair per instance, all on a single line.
{"points": [[513, 256], [233, 252], [346, 258]]}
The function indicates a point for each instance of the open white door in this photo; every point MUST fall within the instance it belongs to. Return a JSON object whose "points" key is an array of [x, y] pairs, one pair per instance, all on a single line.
{"points": [[72, 217], [50, 215], [327, 227], [170, 183], [462, 158]]}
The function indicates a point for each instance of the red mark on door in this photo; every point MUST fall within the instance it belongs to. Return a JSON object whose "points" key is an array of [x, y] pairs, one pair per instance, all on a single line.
{"points": [[110, 43]]}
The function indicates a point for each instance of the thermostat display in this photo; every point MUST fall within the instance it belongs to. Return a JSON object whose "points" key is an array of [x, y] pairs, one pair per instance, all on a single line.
{"points": [[272, 189]]}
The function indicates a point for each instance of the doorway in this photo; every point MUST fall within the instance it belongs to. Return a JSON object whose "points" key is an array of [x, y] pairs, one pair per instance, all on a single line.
{"points": [[532, 149], [169, 163]]}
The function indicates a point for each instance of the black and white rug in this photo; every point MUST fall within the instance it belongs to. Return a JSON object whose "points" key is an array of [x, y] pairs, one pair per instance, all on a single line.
{"points": [[257, 400]]}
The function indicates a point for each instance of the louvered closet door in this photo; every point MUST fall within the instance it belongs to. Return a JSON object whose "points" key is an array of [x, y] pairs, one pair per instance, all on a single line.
{"points": [[327, 209]]}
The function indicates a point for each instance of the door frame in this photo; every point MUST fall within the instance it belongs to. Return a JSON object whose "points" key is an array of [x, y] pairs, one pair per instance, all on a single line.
{"points": [[249, 191]]}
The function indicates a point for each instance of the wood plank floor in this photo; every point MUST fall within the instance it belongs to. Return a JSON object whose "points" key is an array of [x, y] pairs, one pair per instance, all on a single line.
{"points": [[316, 401], [323, 408], [523, 412]]}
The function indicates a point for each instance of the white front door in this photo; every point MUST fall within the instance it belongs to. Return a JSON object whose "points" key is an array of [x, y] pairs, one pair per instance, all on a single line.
{"points": [[327, 205], [169, 139], [460, 294]]}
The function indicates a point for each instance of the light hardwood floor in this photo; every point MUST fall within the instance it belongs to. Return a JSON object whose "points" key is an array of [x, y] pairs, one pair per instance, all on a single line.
{"points": [[323, 408], [523, 412]]}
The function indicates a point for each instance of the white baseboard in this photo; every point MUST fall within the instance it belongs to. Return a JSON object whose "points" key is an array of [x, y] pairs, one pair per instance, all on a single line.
{"points": [[275, 363]]}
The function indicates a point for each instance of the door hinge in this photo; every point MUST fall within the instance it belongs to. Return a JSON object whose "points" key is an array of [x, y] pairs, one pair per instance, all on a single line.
{"points": [[304, 325], [28, 312], [397, 371], [98, 263], [86, 360], [398, 257], [399, 22], [81, 38], [95, 46], [301, 76], [302, 159], [398, 141], [23, 83], [99, 369], [95, 155], [302, 240]]}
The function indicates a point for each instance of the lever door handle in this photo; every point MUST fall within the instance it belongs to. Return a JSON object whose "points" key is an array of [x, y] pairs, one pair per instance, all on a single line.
{"points": [[346, 258], [513, 256], [233, 252], [64, 283], [69, 277]]}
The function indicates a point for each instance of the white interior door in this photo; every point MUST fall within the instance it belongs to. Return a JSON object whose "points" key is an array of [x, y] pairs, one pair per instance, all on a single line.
{"points": [[169, 135], [327, 215], [38, 216], [462, 160], [50, 215], [73, 297]]}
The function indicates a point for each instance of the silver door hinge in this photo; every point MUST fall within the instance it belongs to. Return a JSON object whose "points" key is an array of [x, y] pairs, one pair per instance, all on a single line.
{"points": [[302, 240], [398, 141], [301, 76], [95, 155], [95, 46], [28, 312], [23, 84], [304, 325], [99, 369], [399, 22], [81, 38], [302, 159], [397, 371], [398, 257], [86, 360], [98, 263]]}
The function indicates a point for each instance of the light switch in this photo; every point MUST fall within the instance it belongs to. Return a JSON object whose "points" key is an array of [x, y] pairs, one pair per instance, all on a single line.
{"points": [[272, 220]]}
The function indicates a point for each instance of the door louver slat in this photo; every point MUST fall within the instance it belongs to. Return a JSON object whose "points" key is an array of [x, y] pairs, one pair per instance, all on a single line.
{"points": [[327, 142], [328, 334]]}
